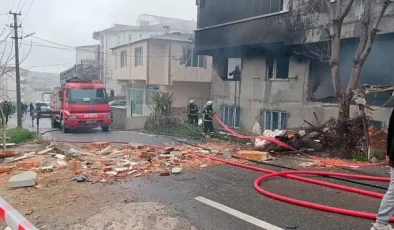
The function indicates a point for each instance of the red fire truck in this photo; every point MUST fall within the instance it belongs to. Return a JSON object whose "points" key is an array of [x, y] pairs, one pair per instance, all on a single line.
{"points": [[81, 101]]}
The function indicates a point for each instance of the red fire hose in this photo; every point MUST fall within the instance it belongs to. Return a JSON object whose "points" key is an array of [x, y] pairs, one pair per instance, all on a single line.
{"points": [[289, 174]]}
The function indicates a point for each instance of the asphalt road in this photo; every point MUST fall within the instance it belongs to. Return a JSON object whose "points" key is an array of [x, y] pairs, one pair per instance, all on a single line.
{"points": [[223, 197]]}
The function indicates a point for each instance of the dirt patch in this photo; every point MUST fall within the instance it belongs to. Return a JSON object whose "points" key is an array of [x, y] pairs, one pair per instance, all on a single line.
{"points": [[59, 203]]}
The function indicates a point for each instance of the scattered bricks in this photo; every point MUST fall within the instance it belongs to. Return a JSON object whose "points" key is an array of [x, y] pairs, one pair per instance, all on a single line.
{"points": [[124, 146], [136, 146], [74, 165], [175, 161], [164, 173], [143, 154], [106, 162], [156, 162], [107, 169], [29, 163], [25, 179], [7, 154], [227, 153], [176, 170], [253, 155], [152, 155], [164, 156], [124, 164], [96, 165], [62, 163], [6, 168], [100, 145]]}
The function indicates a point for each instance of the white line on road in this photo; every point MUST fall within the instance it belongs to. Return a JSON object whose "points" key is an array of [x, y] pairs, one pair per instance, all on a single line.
{"points": [[238, 214]]}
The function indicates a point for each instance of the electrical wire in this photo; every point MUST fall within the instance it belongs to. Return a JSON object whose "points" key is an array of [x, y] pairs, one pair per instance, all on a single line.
{"points": [[28, 11]]}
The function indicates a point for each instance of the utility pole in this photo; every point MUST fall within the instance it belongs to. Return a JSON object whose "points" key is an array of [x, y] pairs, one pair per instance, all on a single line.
{"points": [[18, 79]]}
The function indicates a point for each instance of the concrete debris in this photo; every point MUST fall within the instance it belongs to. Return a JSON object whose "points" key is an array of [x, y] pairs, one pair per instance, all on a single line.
{"points": [[60, 157], [45, 151], [73, 152], [25, 179], [374, 160], [177, 170], [227, 153], [46, 169], [132, 172], [106, 150], [96, 165], [61, 163], [202, 151]]}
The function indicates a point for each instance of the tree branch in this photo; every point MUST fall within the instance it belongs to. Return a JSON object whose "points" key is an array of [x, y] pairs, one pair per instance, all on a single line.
{"points": [[345, 12]]}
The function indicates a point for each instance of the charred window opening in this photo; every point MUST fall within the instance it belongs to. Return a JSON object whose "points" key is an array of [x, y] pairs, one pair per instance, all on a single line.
{"points": [[277, 67], [232, 69]]}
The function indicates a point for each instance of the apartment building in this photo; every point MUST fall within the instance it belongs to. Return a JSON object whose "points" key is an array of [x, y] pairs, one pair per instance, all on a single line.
{"points": [[260, 81]]}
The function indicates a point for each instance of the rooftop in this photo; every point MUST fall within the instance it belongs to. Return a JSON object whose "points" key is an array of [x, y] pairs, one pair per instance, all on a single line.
{"points": [[186, 37]]}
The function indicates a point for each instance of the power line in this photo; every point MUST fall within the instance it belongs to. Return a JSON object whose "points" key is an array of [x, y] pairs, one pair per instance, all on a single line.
{"points": [[28, 10]]}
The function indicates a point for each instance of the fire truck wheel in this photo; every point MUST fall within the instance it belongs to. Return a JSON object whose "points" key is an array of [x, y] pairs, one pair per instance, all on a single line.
{"points": [[53, 123], [64, 128], [105, 129]]}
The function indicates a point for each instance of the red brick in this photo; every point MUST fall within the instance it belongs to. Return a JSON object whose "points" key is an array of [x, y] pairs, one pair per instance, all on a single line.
{"points": [[106, 162], [100, 144], [253, 155], [6, 168], [107, 169], [29, 163]]}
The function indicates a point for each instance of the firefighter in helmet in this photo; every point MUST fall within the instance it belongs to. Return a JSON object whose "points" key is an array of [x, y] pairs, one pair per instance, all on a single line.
{"points": [[192, 113], [207, 116]]}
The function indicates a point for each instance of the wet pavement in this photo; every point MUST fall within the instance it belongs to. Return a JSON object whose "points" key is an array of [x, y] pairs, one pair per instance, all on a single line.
{"points": [[240, 206]]}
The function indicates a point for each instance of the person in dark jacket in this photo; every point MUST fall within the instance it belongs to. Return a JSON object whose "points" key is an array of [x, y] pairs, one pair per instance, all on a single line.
{"points": [[386, 210], [31, 107], [192, 112], [207, 116]]}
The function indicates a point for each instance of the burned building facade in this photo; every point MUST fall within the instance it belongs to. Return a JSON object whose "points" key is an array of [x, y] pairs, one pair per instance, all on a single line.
{"points": [[261, 77]]}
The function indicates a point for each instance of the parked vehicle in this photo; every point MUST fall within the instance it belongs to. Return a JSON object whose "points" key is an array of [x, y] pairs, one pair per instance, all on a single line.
{"points": [[81, 101], [117, 103], [45, 107]]}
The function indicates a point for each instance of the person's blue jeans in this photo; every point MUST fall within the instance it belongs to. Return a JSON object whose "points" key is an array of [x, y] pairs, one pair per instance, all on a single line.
{"points": [[208, 128]]}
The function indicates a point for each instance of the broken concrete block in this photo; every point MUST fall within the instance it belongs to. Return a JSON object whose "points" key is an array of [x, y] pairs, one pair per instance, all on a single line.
{"points": [[201, 151], [374, 160], [302, 133], [47, 169], [14, 159], [45, 151], [25, 179], [6, 168], [227, 153], [253, 155], [60, 157], [175, 160], [73, 152], [176, 170]]}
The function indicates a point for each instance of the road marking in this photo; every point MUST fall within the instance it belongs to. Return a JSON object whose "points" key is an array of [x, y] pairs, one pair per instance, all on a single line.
{"points": [[238, 214]]}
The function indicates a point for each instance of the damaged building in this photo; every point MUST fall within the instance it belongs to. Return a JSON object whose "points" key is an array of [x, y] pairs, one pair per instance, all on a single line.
{"points": [[262, 78]]}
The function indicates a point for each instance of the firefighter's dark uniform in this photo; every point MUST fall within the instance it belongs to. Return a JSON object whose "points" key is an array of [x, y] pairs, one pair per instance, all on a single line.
{"points": [[207, 119], [193, 113]]}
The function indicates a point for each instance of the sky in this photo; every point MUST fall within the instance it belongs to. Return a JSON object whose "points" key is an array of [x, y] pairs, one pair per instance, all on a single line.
{"points": [[72, 23]]}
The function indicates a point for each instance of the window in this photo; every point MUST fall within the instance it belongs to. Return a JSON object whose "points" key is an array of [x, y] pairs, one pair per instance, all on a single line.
{"points": [[129, 37], [139, 61], [273, 120], [231, 116], [123, 59], [192, 59], [87, 96], [277, 67]]}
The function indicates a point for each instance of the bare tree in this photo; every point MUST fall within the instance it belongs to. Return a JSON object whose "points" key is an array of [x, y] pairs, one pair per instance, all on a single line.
{"points": [[338, 11]]}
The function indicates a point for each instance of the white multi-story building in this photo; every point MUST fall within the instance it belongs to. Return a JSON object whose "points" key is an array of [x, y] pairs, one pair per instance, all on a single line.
{"points": [[147, 26]]}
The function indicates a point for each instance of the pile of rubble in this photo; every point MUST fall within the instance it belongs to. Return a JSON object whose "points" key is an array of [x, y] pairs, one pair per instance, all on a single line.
{"points": [[103, 162]]}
